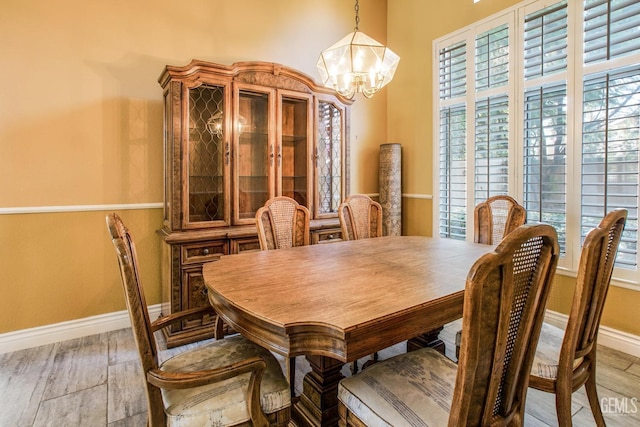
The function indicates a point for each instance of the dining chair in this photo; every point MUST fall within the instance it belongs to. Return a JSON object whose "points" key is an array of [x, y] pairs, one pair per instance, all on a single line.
{"points": [[494, 218], [566, 359], [282, 223], [360, 217], [504, 301], [227, 382]]}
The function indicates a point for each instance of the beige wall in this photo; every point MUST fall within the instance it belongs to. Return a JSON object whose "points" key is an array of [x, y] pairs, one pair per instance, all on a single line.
{"points": [[81, 125], [412, 27]]}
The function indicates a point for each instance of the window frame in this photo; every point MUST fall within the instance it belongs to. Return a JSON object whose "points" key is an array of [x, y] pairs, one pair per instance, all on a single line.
{"points": [[574, 76]]}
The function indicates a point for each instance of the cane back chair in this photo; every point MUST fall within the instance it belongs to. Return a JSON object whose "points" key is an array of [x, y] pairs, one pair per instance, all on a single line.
{"points": [[282, 223], [495, 218], [504, 302], [566, 359], [360, 217], [227, 382]]}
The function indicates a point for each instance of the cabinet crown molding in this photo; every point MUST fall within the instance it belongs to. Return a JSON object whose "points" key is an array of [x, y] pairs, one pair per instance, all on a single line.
{"points": [[255, 72]]}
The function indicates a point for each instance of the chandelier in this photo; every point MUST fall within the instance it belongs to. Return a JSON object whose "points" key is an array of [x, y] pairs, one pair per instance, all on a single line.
{"points": [[357, 63]]}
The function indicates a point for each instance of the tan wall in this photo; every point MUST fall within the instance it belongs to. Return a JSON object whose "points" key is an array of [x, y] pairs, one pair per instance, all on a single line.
{"points": [[81, 125], [412, 27]]}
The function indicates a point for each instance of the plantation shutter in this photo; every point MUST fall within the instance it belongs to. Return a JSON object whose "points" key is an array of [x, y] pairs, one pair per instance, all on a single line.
{"points": [[452, 137], [611, 134]]}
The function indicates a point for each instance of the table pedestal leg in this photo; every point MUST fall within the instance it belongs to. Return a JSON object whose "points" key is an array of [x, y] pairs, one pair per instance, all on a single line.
{"points": [[428, 339], [318, 403]]}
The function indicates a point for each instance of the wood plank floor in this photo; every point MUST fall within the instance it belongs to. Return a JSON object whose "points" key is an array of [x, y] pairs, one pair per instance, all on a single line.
{"points": [[96, 381]]}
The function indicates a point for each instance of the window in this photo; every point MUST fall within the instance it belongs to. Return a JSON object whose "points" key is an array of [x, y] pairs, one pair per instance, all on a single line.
{"points": [[544, 118], [611, 124], [452, 136], [550, 114]]}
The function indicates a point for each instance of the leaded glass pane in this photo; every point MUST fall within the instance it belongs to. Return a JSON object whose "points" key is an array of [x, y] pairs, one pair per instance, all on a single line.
{"points": [[329, 161], [205, 156]]}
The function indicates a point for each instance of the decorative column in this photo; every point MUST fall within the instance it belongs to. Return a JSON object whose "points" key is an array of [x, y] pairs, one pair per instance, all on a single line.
{"points": [[390, 188]]}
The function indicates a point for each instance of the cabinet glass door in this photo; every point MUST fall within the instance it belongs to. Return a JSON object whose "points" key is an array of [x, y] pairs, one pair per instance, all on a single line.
{"points": [[207, 149], [329, 157], [293, 155], [255, 153]]}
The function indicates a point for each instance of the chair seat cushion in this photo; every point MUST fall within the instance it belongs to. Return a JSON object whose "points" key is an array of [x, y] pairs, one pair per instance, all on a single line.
{"points": [[545, 363], [411, 389], [222, 403]]}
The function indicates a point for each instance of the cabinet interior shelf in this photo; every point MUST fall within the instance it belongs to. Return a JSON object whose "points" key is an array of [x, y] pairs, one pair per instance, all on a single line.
{"points": [[292, 139]]}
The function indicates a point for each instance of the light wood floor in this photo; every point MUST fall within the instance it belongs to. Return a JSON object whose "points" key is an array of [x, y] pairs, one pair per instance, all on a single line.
{"points": [[96, 381]]}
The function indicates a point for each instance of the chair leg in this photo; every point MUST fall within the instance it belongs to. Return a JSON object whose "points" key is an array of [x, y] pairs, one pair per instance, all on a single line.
{"points": [[563, 406], [594, 401]]}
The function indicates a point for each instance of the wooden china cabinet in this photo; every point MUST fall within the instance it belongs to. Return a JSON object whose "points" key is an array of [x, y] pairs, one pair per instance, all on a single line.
{"points": [[235, 136]]}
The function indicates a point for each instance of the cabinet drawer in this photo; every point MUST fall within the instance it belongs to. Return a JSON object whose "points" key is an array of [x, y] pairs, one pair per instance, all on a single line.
{"points": [[245, 245], [204, 251], [326, 236]]}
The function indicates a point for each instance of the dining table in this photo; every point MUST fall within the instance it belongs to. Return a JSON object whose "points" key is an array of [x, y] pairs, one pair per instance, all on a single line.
{"points": [[337, 302]]}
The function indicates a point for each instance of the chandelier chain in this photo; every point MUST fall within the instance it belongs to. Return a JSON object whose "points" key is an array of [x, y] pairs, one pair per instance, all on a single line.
{"points": [[357, 9]]}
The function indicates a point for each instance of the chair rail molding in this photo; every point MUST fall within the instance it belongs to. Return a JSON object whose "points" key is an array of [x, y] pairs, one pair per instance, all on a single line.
{"points": [[417, 196], [406, 195], [49, 334], [78, 208]]}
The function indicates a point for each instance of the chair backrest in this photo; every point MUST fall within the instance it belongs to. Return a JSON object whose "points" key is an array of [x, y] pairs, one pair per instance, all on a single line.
{"points": [[282, 223], [495, 218], [594, 275], [360, 217], [504, 302], [137, 307]]}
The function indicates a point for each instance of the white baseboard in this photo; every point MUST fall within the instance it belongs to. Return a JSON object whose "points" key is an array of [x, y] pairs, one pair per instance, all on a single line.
{"points": [[49, 334], [608, 337]]}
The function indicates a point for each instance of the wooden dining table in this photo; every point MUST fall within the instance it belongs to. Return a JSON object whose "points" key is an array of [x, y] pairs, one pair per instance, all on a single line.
{"points": [[337, 302]]}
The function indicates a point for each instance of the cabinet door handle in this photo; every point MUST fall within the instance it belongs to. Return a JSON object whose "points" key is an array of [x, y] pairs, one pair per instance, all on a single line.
{"points": [[280, 155], [226, 153]]}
